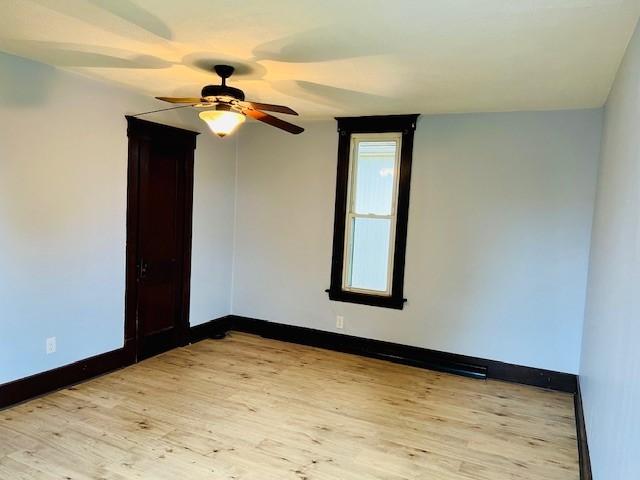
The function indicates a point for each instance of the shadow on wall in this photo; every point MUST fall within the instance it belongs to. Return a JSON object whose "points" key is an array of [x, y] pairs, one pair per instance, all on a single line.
{"points": [[323, 45], [116, 16], [29, 98], [12, 82], [205, 61], [330, 96], [250, 70], [77, 55], [132, 13]]}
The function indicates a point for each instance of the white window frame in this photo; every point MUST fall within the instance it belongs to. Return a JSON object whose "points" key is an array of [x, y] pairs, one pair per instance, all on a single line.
{"points": [[351, 215]]}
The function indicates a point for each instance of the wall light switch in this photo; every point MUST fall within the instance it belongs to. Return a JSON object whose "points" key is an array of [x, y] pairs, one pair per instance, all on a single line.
{"points": [[51, 345], [339, 321]]}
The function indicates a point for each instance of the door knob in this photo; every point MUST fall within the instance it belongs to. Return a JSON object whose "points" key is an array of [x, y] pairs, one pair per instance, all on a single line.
{"points": [[142, 269]]}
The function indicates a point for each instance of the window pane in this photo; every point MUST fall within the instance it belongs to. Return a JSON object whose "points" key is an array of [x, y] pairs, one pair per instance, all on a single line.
{"points": [[370, 253], [374, 177]]}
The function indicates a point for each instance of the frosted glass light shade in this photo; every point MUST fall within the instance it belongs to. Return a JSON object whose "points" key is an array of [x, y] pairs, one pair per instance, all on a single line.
{"points": [[222, 122]]}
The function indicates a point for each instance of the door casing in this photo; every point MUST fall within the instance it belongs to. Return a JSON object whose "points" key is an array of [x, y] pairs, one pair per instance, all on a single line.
{"points": [[139, 131]]}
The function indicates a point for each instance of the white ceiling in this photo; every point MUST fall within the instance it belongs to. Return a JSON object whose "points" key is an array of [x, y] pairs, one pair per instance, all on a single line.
{"points": [[339, 57]]}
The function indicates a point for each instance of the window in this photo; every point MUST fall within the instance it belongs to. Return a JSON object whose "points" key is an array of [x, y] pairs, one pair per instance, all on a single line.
{"points": [[371, 212], [372, 205]]}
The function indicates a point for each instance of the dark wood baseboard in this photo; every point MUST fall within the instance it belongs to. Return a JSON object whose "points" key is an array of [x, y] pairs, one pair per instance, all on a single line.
{"points": [[581, 431], [35, 385], [26, 388], [210, 329], [29, 387], [408, 355]]}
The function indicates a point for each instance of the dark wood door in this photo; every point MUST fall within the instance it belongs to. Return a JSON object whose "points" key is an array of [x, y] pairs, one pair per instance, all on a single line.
{"points": [[158, 236]]}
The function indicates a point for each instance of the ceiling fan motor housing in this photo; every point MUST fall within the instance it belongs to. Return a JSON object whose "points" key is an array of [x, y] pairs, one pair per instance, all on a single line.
{"points": [[222, 91]]}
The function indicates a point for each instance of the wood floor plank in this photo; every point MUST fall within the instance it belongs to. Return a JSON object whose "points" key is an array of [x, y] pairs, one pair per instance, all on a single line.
{"points": [[247, 408]]}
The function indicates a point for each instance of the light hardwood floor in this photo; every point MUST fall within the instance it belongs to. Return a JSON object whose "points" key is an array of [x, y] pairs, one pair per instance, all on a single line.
{"points": [[250, 408]]}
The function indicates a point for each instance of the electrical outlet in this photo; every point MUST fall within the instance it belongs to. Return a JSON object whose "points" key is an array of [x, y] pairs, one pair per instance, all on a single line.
{"points": [[339, 321], [51, 345]]}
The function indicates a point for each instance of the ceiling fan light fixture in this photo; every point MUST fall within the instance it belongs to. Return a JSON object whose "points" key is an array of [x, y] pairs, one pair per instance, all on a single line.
{"points": [[231, 109], [222, 122]]}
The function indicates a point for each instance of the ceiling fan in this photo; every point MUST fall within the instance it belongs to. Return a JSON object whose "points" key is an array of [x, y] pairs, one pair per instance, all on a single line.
{"points": [[229, 108]]}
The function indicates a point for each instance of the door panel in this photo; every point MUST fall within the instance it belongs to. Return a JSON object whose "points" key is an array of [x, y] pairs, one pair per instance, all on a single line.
{"points": [[159, 237], [162, 159]]}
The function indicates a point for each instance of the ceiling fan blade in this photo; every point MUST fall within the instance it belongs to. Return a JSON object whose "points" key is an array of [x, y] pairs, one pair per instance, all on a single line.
{"points": [[269, 108], [273, 121], [180, 99]]}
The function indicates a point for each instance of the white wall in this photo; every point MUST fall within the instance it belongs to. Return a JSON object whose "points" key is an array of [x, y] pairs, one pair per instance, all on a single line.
{"points": [[610, 368], [63, 163], [213, 217], [499, 230]]}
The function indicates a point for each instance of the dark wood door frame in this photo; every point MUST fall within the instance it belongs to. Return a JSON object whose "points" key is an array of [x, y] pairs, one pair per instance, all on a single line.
{"points": [[139, 130]]}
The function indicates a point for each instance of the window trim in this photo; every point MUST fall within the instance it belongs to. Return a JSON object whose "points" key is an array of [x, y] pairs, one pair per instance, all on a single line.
{"points": [[347, 127]]}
